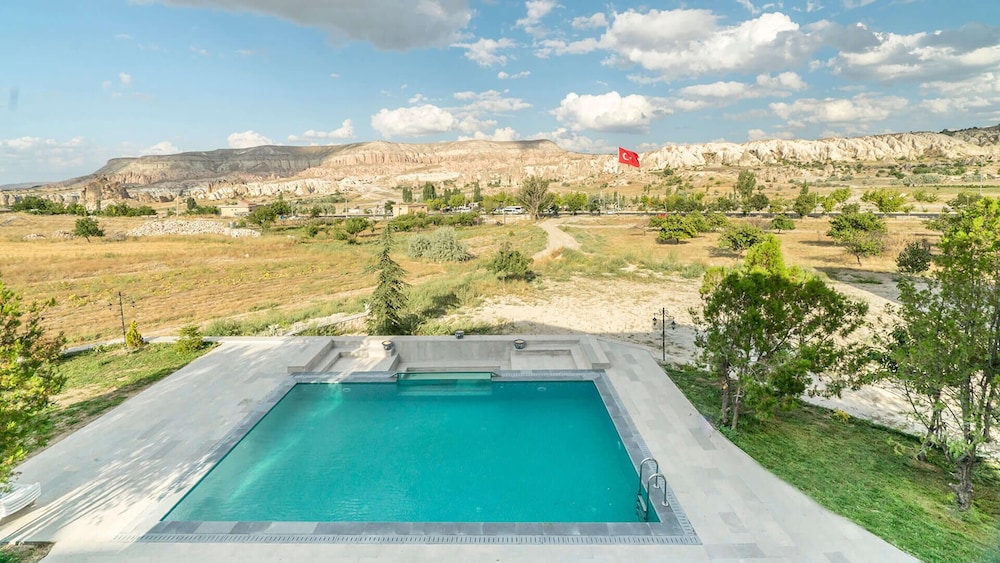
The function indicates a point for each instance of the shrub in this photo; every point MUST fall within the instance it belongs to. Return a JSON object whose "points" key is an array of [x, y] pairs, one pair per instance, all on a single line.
{"points": [[190, 339], [133, 340], [914, 258], [442, 246], [740, 237], [509, 264], [782, 223]]}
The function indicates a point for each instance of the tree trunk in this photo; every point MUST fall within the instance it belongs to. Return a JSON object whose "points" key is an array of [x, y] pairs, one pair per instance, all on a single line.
{"points": [[933, 430], [736, 407], [964, 467], [726, 392]]}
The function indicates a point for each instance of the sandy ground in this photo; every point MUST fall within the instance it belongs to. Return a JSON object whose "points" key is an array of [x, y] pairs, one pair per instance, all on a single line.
{"points": [[624, 310]]}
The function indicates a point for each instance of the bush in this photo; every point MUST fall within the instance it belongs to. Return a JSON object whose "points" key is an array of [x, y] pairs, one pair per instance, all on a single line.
{"points": [[442, 246], [782, 223], [190, 339], [133, 340], [914, 258], [509, 264], [740, 237]]}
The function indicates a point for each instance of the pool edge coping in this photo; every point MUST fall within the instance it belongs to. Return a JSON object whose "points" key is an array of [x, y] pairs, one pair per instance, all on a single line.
{"points": [[533, 533]]}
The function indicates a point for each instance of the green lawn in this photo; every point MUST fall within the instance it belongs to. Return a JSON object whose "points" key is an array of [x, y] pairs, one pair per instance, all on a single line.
{"points": [[865, 473], [101, 379]]}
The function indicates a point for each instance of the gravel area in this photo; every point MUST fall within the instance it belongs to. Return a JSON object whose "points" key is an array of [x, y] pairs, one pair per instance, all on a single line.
{"points": [[180, 227]]}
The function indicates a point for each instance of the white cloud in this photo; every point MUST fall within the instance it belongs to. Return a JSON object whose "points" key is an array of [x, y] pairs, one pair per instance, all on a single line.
{"points": [[559, 48], [484, 51], [106, 84], [504, 76], [537, 9], [30, 159], [977, 96], [416, 99], [943, 55], [125, 78], [760, 135], [334, 75], [247, 139], [610, 112], [575, 142], [161, 148], [490, 101], [678, 43], [592, 22], [861, 109], [500, 134], [725, 93], [345, 131], [386, 24], [415, 121]]}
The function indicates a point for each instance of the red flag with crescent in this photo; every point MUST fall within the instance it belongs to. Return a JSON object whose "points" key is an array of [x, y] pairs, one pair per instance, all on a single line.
{"points": [[626, 156]]}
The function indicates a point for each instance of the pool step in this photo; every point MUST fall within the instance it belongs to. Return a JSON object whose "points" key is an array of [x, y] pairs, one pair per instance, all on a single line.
{"points": [[445, 387]]}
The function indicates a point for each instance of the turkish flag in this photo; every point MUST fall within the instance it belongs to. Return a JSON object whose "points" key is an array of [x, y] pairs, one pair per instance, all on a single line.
{"points": [[628, 157]]}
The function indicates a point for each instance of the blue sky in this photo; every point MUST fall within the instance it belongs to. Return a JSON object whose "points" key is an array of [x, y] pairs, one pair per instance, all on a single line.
{"points": [[82, 82]]}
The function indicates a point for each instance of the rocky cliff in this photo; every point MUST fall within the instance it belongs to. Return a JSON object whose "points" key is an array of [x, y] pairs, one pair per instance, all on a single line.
{"points": [[361, 168]]}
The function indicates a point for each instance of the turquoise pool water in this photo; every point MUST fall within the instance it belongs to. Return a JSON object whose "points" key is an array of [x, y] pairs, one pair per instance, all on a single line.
{"points": [[466, 451]]}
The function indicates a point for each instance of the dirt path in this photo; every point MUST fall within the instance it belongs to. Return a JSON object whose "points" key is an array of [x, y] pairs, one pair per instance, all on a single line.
{"points": [[557, 238]]}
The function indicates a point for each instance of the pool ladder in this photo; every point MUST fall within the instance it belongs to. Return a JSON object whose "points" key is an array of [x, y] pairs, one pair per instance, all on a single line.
{"points": [[654, 479]]}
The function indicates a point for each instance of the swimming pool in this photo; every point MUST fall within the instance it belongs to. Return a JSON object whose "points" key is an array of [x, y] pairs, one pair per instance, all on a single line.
{"points": [[195, 518], [430, 450]]}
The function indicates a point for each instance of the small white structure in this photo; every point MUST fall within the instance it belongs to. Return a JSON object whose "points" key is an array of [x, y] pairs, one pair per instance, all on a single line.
{"points": [[19, 497]]}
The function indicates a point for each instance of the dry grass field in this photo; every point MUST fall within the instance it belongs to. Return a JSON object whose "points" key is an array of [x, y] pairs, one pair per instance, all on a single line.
{"points": [[170, 281]]}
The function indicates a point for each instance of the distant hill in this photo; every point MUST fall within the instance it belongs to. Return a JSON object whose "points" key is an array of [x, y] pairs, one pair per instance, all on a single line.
{"points": [[377, 168]]}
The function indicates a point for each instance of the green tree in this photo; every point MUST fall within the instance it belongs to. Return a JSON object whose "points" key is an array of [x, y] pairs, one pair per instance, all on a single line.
{"points": [[886, 200], [28, 378], [190, 203], [764, 329], [675, 228], [740, 237], [746, 183], [508, 264], [945, 350], [915, 258], [354, 226], [429, 192], [477, 192], [407, 194], [456, 200], [782, 223], [264, 216], [533, 195], [388, 301], [133, 339], [281, 207], [87, 227], [862, 234], [756, 202], [805, 202], [575, 202]]}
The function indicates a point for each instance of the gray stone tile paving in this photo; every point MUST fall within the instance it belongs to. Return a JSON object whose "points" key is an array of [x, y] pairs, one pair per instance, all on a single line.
{"points": [[110, 483]]}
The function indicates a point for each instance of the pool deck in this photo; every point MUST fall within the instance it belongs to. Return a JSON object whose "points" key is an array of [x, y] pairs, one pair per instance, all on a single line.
{"points": [[108, 484]]}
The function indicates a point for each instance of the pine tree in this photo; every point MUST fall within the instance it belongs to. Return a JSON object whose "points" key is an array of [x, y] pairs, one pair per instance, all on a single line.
{"points": [[388, 301]]}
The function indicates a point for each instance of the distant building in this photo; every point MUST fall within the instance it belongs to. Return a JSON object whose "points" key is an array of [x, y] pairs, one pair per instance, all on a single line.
{"points": [[408, 208], [239, 209]]}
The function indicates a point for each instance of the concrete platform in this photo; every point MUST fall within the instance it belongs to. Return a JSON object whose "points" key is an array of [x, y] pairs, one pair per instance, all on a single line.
{"points": [[111, 482]]}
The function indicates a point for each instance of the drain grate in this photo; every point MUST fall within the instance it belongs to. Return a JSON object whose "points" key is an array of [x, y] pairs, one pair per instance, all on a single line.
{"points": [[412, 539]]}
